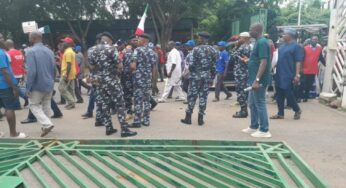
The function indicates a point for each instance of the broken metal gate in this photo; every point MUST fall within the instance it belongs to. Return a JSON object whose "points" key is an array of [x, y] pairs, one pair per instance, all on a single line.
{"points": [[151, 163]]}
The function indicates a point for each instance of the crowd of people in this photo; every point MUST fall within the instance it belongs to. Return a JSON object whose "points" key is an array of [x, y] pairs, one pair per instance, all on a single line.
{"points": [[121, 78]]}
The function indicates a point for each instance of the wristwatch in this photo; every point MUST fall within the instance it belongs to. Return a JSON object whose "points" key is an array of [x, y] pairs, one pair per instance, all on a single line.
{"points": [[257, 79]]}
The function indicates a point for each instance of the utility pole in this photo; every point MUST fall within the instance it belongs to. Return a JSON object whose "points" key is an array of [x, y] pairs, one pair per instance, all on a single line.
{"points": [[300, 11]]}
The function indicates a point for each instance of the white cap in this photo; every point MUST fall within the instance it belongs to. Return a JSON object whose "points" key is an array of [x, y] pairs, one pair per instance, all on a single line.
{"points": [[244, 34]]}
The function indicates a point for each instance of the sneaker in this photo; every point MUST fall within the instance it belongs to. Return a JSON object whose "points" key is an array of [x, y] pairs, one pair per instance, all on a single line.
{"points": [[161, 101], [70, 106], [46, 130], [260, 134], [216, 100], [249, 130], [21, 135]]}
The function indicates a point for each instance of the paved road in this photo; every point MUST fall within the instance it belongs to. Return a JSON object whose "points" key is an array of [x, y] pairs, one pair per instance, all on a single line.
{"points": [[319, 137]]}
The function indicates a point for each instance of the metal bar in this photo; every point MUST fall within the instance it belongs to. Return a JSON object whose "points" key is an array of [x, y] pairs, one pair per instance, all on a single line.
{"points": [[279, 176], [82, 169], [39, 178], [117, 170], [51, 172], [307, 171], [245, 163], [135, 170], [153, 171], [172, 171], [66, 170], [210, 172], [290, 172], [231, 172], [100, 170], [251, 172]]}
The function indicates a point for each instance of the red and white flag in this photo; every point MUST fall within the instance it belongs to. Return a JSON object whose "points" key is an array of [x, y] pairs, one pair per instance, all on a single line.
{"points": [[140, 28]]}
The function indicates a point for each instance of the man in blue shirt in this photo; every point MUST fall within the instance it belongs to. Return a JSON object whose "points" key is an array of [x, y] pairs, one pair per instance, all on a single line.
{"points": [[221, 71], [40, 82], [288, 73], [8, 92]]}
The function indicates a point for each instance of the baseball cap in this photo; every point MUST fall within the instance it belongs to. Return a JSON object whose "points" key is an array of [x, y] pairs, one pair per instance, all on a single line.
{"points": [[222, 43], [190, 43], [244, 34], [68, 40]]}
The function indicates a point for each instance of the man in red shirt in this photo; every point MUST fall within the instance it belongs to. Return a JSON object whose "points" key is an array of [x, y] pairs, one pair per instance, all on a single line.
{"points": [[313, 54], [18, 67], [162, 60]]}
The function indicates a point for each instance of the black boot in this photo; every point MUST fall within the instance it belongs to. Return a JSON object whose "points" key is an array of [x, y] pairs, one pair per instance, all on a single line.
{"points": [[135, 125], [125, 132], [110, 131], [187, 119], [242, 114], [200, 120]]}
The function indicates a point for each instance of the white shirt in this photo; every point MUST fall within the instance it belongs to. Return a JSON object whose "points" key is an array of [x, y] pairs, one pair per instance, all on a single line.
{"points": [[174, 58]]}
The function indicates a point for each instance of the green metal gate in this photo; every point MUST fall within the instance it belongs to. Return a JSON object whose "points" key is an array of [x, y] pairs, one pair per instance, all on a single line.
{"points": [[151, 163]]}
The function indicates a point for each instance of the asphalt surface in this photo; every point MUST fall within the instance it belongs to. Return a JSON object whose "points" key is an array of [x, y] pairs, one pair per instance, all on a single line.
{"points": [[319, 137]]}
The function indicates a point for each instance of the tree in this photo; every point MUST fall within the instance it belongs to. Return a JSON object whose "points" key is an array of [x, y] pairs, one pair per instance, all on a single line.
{"points": [[167, 13]]}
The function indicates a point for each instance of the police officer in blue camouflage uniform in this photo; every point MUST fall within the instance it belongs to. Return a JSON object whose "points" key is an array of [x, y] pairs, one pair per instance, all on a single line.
{"points": [[202, 71], [240, 57], [104, 62], [127, 78], [143, 65]]}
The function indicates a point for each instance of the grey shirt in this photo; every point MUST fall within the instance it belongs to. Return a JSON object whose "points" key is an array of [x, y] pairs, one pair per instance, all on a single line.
{"points": [[40, 64], [81, 64]]}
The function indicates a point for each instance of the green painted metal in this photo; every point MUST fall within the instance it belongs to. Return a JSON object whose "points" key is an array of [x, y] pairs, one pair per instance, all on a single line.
{"points": [[152, 163]]}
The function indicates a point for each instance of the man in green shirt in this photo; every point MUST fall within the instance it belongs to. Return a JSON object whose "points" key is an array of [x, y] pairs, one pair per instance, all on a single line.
{"points": [[259, 78]]}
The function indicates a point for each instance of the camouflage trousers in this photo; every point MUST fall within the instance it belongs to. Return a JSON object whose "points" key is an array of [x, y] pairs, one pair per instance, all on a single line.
{"points": [[197, 88], [142, 105], [127, 84], [242, 96], [105, 96]]}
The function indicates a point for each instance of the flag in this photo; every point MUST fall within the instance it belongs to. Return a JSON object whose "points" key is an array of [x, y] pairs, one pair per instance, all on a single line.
{"points": [[44, 29], [140, 28]]}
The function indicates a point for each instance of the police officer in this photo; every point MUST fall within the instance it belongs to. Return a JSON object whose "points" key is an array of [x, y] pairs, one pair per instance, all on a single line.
{"points": [[127, 78], [104, 62], [202, 71], [143, 65], [240, 57]]}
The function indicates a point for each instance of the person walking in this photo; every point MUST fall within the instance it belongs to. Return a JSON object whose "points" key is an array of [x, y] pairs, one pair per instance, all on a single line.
{"points": [[313, 54], [143, 67], [68, 73], [221, 71], [104, 63], [18, 68], [202, 69], [240, 58], [161, 62], [173, 67], [8, 92], [259, 78], [40, 81], [79, 77], [287, 75]]}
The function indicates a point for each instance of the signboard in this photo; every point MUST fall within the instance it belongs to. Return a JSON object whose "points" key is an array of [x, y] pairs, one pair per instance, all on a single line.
{"points": [[29, 27]]}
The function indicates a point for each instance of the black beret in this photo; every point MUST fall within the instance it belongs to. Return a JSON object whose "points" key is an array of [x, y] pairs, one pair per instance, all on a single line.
{"points": [[204, 34], [145, 35], [107, 34]]}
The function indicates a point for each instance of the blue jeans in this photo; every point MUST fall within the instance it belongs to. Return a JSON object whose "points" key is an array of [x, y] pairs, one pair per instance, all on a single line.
{"points": [[92, 98], [258, 109]]}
